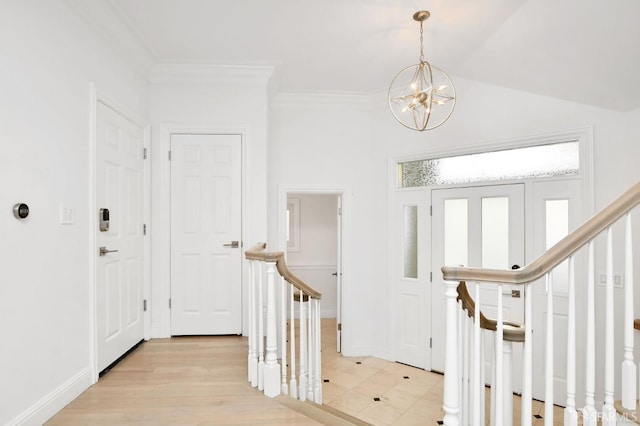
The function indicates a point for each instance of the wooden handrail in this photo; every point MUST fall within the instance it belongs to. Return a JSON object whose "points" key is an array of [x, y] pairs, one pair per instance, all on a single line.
{"points": [[512, 332], [556, 254], [258, 252]]}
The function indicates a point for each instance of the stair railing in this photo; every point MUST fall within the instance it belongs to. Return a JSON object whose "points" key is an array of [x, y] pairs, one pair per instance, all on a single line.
{"points": [[463, 399], [268, 369]]}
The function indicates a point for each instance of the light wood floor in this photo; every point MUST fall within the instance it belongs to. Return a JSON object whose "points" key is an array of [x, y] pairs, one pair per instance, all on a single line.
{"points": [[202, 381], [179, 381]]}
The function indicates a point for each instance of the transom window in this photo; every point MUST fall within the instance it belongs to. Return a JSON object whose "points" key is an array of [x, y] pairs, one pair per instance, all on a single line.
{"points": [[558, 159]]}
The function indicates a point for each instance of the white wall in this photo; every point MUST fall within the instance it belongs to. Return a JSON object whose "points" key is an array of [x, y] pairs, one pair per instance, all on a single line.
{"points": [[206, 100], [49, 57], [315, 260]]}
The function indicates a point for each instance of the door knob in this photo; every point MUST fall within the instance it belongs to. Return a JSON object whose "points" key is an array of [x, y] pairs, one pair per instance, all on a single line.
{"points": [[232, 244], [104, 250]]}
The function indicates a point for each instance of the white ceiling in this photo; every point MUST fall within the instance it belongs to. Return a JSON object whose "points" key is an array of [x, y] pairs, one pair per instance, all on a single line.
{"points": [[582, 50]]}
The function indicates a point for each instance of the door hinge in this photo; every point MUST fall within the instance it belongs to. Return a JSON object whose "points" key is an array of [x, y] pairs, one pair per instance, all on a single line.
{"points": [[169, 155], [431, 276], [430, 210], [144, 229], [169, 303], [144, 153], [430, 342], [144, 305], [340, 327], [339, 211]]}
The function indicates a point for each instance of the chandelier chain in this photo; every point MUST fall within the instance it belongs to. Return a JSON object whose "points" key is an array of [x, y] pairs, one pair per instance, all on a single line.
{"points": [[421, 45]]}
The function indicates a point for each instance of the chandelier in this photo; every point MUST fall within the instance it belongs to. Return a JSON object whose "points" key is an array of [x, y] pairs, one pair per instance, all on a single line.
{"points": [[422, 96]]}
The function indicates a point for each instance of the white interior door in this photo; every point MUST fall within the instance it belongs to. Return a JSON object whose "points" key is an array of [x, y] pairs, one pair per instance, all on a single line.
{"points": [[206, 252], [120, 277], [410, 277], [480, 227]]}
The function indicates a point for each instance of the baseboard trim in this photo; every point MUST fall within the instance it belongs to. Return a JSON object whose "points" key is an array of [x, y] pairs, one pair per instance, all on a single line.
{"points": [[55, 401]]}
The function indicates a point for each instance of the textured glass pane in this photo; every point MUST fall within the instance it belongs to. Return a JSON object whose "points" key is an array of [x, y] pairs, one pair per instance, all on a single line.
{"points": [[495, 233], [455, 232], [410, 241], [536, 161], [556, 228]]}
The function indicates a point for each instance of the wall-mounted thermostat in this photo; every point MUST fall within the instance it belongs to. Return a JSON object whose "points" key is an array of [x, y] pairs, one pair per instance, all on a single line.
{"points": [[21, 211]]}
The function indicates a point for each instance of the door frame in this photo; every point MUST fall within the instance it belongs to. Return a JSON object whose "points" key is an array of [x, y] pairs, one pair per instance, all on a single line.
{"points": [[344, 231], [584, 137], [96, 97], [161, 327]]}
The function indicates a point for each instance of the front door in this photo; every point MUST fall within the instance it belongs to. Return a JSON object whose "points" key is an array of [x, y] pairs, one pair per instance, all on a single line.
{"points": [[206, 252], [479, 226], [120, 248], [410, 275]]}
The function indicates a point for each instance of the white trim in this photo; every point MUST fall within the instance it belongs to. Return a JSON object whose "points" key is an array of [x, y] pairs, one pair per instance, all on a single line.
{"points": [[147, 238], [163, 282], [96, 97], [56, 400], [93, 225], [345, 193]]}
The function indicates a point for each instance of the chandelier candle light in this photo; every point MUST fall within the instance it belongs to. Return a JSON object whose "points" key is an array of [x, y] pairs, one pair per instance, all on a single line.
{"points": [[422, 96]]}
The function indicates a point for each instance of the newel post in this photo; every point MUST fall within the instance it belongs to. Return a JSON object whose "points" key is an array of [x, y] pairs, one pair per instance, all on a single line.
{"points": [[451, 402]]}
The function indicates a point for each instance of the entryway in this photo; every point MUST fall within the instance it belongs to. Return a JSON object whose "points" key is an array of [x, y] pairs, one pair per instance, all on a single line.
{"points": [[314, 232]]}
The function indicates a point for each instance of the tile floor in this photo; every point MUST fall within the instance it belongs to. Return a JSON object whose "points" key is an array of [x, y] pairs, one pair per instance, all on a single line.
{"points": [[387, 393]]}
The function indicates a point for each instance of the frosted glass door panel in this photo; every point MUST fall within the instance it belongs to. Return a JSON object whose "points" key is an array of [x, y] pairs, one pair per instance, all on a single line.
{"points": [[495, 233], [410, 243], [456, 234]]}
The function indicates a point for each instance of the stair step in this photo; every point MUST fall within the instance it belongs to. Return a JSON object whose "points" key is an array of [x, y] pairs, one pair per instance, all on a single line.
{"points": [[322, 413]]}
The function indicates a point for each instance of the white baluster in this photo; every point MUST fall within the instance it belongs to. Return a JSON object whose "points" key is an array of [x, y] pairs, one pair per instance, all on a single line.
{"points": [[460, 334], [483, 402], [499, 366], [465, 369], [284, 388], [589, 413], [310, 353], [608, 410], [293, 384], [629, 374], [570, 413], [478, 350], [253, 338], [302, 385], [318, 381], [260, 313], [507, 384], [271, 367], [548, 376], [527, 368], [451, 405]]}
